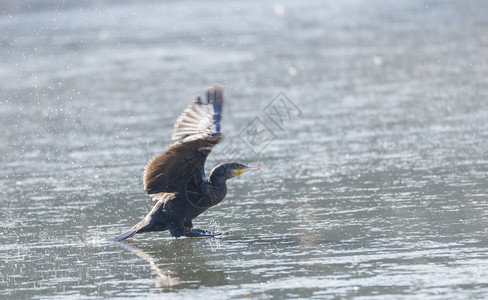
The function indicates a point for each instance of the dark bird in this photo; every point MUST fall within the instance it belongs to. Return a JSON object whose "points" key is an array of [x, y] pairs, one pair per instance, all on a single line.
{"points": [[176, 178]]}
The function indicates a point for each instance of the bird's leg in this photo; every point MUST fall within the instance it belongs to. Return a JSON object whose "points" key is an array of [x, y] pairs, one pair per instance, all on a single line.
{"points": [[194, 232]]}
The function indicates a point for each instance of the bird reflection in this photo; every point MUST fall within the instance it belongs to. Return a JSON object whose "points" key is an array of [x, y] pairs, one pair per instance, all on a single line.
{"points": [[177, 266], [163, 279]]}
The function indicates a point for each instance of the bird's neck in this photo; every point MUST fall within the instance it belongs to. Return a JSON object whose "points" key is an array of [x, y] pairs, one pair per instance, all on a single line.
{"points": [[218, 181], [218, 187]]}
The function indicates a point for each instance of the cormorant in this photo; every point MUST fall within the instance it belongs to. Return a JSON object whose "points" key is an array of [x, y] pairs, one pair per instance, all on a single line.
{"points": [[176, 178]]}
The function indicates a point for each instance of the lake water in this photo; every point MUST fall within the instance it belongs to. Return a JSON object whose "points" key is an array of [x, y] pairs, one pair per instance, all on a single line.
{"points": [[375, 167]]}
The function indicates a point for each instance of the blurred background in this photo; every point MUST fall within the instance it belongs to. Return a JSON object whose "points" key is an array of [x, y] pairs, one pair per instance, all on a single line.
{"points": [[369, 118]]}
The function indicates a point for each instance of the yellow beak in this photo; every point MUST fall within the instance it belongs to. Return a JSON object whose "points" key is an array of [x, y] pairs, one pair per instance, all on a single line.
{"points": [[247, 169]]}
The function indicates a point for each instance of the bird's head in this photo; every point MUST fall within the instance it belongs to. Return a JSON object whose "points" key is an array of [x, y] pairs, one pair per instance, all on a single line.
{"points": [[230, 170]]}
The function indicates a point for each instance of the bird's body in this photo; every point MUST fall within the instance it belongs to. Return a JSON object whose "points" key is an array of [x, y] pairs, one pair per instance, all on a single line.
{"points": [[176, 178]]}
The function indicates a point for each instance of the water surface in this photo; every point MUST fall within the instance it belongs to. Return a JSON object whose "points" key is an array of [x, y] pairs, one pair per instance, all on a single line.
{"points": [[374, 184]]}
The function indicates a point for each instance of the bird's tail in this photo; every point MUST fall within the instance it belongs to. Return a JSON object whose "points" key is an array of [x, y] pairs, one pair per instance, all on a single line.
{"points": [[145, 225], [123, 236]]}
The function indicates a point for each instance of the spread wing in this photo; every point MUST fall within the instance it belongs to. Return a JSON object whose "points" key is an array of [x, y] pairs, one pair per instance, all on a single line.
{"points": [[197, 131]]}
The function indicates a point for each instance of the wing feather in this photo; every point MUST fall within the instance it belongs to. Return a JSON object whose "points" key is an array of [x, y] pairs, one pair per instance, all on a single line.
{"points": [[197, 118], [196, 131]]}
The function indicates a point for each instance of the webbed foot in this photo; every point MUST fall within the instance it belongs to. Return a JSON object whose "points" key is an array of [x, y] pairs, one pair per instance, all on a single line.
{"points": [[194, 232]]}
